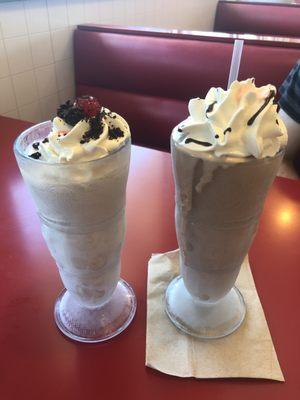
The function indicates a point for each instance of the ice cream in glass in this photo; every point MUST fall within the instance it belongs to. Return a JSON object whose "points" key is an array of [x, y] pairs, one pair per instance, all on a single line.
{"points": [[76, 168], [225, 157]]}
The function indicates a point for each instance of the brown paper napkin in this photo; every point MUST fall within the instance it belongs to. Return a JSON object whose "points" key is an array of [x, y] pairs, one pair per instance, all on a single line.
{"points": [[248, 352]]}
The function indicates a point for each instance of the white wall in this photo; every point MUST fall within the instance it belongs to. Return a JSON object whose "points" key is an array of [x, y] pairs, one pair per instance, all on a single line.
{"points": [[36, 61]]}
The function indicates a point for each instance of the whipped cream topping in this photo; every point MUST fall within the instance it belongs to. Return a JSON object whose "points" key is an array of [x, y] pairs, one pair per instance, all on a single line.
{"points": [[240, 122], [89, 139]]}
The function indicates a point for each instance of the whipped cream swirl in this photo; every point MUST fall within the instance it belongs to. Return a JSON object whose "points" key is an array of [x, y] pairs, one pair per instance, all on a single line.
{"points": [[240, 122], [88, 139]]}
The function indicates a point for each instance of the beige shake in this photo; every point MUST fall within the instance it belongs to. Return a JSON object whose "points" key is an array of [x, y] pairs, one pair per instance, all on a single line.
{"points": [[76, 168]]}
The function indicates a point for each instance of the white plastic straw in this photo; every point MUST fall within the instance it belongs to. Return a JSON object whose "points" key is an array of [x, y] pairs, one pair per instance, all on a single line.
{"points": [[235, 61]]}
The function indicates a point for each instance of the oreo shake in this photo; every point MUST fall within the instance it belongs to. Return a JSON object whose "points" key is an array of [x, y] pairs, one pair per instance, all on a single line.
{"points": [[76, 168], [225, 157]]}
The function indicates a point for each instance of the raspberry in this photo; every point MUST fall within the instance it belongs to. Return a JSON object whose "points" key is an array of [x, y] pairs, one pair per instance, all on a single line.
{"points": [[89, 105]]}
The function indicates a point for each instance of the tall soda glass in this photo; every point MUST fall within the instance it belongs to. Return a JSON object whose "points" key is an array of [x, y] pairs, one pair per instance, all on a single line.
{"points": [[225, 155], [82, 212]]}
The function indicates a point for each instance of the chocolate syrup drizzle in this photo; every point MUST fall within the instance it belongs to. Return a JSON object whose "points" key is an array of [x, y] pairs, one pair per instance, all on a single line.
{"points": [[266, 102], [205, 144], [227, 130], [210, 108]]}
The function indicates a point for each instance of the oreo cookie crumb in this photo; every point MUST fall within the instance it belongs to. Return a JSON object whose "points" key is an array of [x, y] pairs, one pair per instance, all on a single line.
{"points": [[96, 128], [63, 109], [70, 114], [115, 133], [36, 145], [74, 116], [35, 155], [46, 140]]}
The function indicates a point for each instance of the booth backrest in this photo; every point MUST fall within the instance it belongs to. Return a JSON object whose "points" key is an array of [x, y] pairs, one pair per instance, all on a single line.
{"points": [[148, 76], [258, 18]]}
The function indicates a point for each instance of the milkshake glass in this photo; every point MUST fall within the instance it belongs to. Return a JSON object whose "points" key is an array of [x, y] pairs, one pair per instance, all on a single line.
{"points": [[81, 206], [219, 199]]}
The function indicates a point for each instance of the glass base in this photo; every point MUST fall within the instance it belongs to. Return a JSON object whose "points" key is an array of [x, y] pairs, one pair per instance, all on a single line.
{"points": [[93, 325], [204, 320]]}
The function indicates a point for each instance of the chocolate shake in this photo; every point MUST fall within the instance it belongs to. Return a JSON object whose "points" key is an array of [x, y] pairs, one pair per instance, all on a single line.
{"points": [[225, 157]]}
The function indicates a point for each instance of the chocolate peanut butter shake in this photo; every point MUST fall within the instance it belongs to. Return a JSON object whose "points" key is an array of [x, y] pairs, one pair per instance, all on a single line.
{"points": [[225, 157]]}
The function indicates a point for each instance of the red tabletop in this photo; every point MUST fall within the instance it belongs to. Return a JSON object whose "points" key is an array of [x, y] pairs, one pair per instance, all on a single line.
{"points": [[38, 362]]}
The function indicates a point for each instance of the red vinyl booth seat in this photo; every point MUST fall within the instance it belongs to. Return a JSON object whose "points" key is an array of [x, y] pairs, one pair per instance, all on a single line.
{"points": [[148, 76], [258, 18]]}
